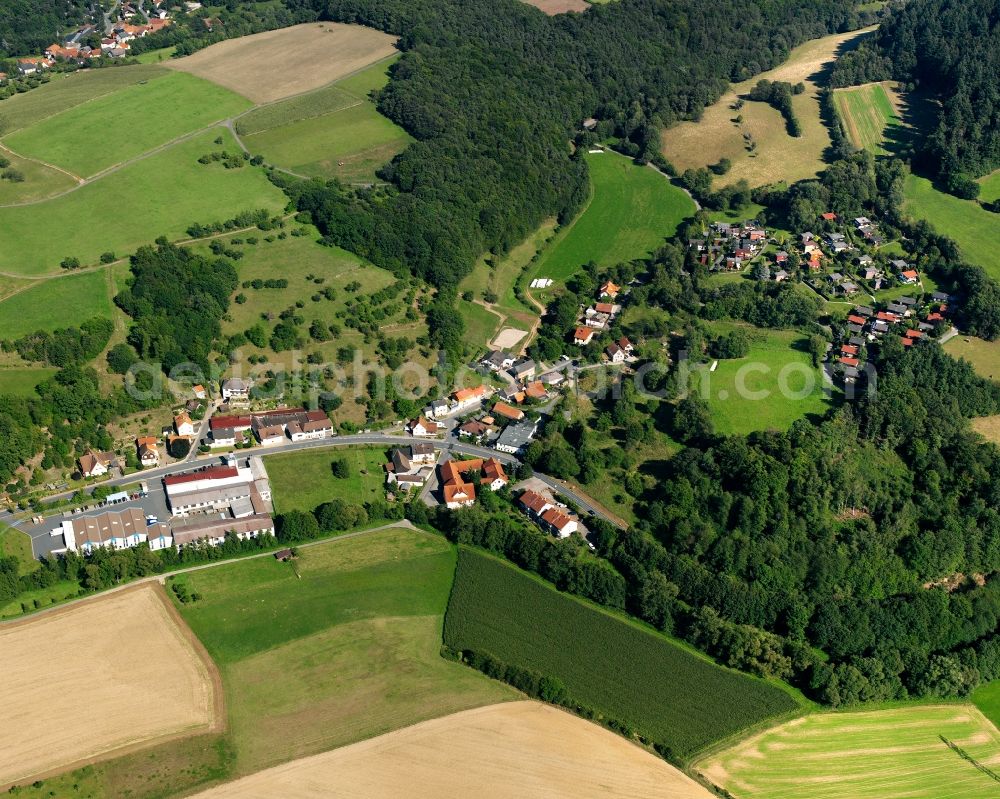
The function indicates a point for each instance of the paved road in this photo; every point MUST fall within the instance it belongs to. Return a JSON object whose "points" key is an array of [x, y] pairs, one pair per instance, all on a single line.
{"points": [[155, 503]]}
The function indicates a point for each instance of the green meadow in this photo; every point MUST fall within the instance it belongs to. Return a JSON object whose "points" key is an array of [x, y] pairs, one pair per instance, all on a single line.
{"points": [[54, 303], [768, 390], [879, 754], [21, 381], [968, 223], [632, 211], [303, 480], [69, 91], [164, 194], [40, 181], [990, 184], [866, 112], [332, 132], [86, 139]]}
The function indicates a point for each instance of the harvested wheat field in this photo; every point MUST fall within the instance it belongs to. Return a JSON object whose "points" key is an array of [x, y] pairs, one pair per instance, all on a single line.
{"points": [[518, 750], [98, 678], [270, 66], [777, 156], [552, 7]]}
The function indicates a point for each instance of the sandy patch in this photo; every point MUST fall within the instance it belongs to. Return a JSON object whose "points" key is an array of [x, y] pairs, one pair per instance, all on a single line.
{"points": [[551, 7], [270, 66], [100, 677], [516, 750], [507, 338]]}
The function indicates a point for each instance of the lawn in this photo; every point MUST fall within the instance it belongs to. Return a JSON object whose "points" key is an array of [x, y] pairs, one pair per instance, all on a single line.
{"points": [[778, 156], [987, 699], [71, 90], [40, 181], [480, 325], [879, 754], [867, 112], [58, 302], [767, 390], [153, 113], [15, 544], [338, 646], [21, 381], [990, 191], [968, 223], [332, 132], [167, 192], [303, 480], [632, 211], [619, 668], [983, 355]]}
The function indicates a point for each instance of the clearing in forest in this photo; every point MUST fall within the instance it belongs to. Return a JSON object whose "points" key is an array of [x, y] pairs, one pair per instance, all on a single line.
{"points": [[777, 156], [868, 112], [270, 66], [504, 751], [916, 752], [97, 678], [552, 7], [983, 355]]}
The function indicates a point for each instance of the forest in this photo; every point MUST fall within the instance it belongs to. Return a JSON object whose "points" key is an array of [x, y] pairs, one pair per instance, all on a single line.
{"points": [[29, 26], [950, 49], [493, 91]]}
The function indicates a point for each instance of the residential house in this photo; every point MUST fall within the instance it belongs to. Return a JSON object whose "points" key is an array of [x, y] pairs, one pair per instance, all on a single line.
{"points": [[199, 392], [583, 336], [909, 277], [310, 429], [535, 390], [467, 397], [422, 426], [458, 495], [269, 435], [498, 361], [615, 353], [780, 276], [236, 390], [475, 430], [147, 451], [183, 425], [560, 522], [437, 409], [97, 464], [609, 289], [490, 472], [523, 369], [517, 436]]}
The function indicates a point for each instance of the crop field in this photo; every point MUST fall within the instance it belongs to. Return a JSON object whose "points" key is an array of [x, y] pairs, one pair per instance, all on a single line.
{"points": [[70, 91], [983, 355], [303, 480], [767, 390], [545, 752], [621, 669], [277, 64], [153, 113], [965, 221], [778, 157], [333, 132], [57, 302], [551, 7], [72, 693], [881, 754], [632, 211], [867, 112], [167, 191], [338, 646]]}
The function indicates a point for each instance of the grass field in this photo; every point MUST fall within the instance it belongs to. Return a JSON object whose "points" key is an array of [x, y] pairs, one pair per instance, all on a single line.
{"points": [[969, 224], [880, 754], [80, 710], [304, 480], [21, 381], [49, 304], [621, 669], [990, 191], [153, 113], [338, 647], [167, 192], [544, 752], [778, 364], [69, 91], [40, 181], [987, 699], [333, 132], [15, 544], [551, 7], [281, 63], [867, 112], [632, 211], [983, 355], [778, 157]]}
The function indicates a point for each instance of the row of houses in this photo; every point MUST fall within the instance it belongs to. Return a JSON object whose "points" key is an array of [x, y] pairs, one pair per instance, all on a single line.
{"points": [[729, 246], [270, 427], [549, 514]]}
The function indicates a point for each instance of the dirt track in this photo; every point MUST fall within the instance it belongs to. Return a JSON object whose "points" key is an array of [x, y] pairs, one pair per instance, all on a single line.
{"points": [[270, 66], [100, 678], [517, 750]]}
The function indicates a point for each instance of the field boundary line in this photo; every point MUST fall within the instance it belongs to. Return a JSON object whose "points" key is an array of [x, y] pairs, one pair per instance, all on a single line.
{"points": [[80, 181]]}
